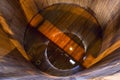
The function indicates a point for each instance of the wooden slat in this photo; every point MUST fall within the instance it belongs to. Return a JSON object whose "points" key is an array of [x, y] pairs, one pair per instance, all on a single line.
{"points": [[68, 46], [64, 39], [91, 61], [7, 29], [78, 53]]}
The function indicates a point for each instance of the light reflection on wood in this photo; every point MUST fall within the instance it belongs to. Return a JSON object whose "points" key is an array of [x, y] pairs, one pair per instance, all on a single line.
{"points": [[91, 61]]}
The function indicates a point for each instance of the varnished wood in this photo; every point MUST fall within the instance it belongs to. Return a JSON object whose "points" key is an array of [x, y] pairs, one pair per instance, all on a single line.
{"points": [[90, 61], [7, 29], [36, 20]]}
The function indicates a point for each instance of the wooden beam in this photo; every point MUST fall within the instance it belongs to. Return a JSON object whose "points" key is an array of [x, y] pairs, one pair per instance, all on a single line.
{"points": [[7, 29], [90, 61]]}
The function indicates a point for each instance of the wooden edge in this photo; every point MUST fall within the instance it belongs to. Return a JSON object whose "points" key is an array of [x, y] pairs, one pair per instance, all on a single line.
{"points": [[20, 48], [7, 29], [90, 61], [5, 26], [36, 20]]}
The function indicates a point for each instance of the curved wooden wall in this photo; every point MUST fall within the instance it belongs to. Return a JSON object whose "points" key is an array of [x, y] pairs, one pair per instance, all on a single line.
{"points": [[104, 11], [19, 13]]}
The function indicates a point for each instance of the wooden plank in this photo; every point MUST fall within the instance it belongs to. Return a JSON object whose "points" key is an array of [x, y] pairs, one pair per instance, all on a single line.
{"points": [[70, 48], [78, 53], [7, 29], [63, 40], [90, 61]]}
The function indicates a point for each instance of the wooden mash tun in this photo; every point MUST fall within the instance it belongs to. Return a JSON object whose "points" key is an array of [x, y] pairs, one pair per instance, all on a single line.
{"points": [[76, 52]]}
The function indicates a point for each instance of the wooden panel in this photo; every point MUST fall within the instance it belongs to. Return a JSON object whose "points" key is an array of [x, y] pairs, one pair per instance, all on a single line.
{"points": [[91, 61], [14, 42]]}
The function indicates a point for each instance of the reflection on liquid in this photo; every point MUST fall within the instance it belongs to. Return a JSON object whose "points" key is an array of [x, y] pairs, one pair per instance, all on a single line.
{"points": [[59, 57]]}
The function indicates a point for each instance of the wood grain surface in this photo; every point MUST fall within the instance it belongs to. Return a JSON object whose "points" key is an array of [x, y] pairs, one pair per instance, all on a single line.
{"points": [[18, 13]]}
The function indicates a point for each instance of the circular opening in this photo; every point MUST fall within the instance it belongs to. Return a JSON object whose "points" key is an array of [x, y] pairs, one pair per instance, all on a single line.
{"points": [[77, 24]]}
